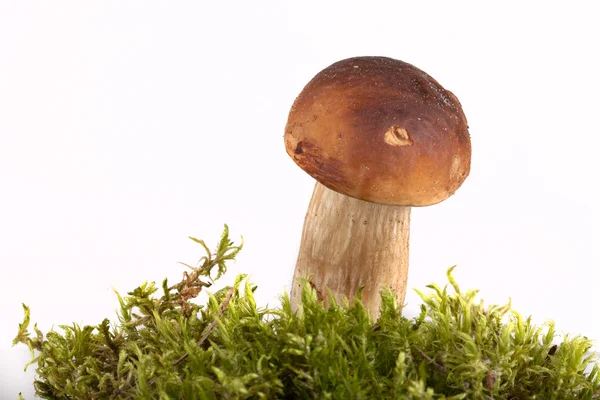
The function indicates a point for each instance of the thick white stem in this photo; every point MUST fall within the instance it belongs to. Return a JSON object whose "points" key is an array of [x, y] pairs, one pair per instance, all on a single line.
{"points": [[349, 243]]}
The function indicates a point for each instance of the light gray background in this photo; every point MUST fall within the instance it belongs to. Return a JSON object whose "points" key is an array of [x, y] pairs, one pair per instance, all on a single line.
{"points": [[127, 126]]}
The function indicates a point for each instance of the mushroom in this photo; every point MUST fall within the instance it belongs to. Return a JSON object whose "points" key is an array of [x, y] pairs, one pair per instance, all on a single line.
{"points": [[380, 136]]}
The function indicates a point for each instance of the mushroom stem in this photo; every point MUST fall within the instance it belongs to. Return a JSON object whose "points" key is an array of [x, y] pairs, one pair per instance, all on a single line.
{"points": [[348, 243]]}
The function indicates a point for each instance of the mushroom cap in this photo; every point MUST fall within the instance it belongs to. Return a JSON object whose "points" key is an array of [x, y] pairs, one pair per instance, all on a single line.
{"points": [[380, 130]]}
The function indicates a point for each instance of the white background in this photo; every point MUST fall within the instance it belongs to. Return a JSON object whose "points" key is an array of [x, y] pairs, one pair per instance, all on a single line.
{"points": [[127, 126]]}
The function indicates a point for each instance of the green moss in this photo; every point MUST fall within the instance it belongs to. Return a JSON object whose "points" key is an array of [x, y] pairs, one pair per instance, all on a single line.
{"points": [[168, 347]]}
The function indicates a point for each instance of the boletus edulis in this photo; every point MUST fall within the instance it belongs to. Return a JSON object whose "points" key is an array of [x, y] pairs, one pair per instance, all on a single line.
{"points": [[379, 136]]}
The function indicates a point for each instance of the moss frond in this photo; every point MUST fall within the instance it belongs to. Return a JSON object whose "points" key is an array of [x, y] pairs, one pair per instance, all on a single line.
{"points": [[169, 347]]}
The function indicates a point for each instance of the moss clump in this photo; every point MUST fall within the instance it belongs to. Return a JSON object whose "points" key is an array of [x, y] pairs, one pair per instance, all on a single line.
{"points": [[168, 347]]}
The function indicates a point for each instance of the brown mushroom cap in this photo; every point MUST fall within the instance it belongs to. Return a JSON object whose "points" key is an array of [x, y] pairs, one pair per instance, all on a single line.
{"points": [[380, 130]]}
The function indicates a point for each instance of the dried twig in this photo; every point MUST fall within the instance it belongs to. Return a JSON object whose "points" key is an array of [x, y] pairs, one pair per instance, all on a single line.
{"points": [[431, 360], [207, 332]]}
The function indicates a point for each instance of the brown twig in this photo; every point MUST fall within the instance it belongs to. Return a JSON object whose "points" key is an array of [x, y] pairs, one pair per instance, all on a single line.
{"points": [[431, 360], [207, 332]]}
